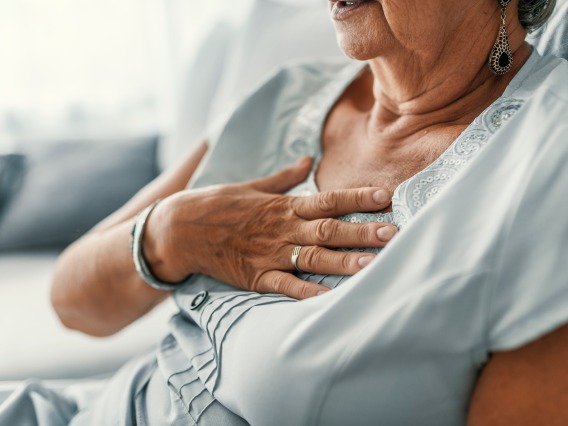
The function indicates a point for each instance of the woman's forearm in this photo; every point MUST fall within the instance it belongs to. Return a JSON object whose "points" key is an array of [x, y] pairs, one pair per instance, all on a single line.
{"points": [[96, 289], [206, 231]]}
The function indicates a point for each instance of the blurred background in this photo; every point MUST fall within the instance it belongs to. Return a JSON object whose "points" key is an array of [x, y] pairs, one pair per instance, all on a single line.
{"points": [[99, 68], [97, 97]]}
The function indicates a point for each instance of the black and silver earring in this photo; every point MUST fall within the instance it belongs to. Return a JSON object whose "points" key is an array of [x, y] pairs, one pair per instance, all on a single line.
{"points": [[501, 58]]}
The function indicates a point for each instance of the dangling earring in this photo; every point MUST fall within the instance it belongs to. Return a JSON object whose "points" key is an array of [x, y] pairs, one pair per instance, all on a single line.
{"points": [[501, 58]]}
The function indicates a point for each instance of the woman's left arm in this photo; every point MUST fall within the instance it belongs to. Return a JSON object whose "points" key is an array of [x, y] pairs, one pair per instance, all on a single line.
{"points": [[525, 386]]}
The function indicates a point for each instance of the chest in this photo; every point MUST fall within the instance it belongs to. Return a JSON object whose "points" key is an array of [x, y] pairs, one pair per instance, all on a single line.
{"points": [[354, 157]]}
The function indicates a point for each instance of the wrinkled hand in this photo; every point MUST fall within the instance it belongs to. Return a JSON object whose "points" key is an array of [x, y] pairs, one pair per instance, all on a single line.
{"points": [[243, 234]]}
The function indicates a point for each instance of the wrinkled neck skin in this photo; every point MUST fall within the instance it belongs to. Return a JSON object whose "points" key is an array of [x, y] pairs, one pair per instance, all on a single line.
{"points": [[445, 83]]}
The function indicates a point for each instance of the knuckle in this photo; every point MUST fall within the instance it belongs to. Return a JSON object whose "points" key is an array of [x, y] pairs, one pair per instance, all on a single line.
{"points": [[364, 234], [326, 230], [327, 202], [292, 205], [285, 208], [310, 259], [346, 262], [303, 290], [280, 284], [257, 282], [296, 206], [360, 198], [297, 234]]}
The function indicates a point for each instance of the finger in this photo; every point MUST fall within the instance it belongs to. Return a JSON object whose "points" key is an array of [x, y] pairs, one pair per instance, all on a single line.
{"points": [[285, 179], [337, 233], [340, 202], [318, 260], [289, 285]]}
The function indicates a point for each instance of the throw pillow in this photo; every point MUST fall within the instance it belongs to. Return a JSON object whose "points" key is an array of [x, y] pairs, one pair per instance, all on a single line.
{"points": [[67, 187]]}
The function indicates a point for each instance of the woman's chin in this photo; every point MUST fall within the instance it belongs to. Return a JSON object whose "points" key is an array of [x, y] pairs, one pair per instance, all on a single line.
{"points": [[365, 37], [356, 49]]}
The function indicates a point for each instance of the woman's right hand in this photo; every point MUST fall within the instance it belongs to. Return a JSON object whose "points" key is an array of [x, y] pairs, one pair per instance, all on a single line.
{"points": [[243, 234]]}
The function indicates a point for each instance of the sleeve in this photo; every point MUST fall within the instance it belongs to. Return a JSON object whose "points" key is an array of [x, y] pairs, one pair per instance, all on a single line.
{"points": [[240, 131], [530, 295], [257, 130]]}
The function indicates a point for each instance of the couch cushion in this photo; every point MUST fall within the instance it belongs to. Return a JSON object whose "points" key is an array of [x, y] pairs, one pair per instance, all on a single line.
{"points": [[35, 344], [69, 186], [11, 173]]}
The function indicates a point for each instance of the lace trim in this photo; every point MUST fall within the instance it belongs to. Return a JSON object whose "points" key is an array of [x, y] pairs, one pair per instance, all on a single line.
{"points": [[304, 134], [416, 192], [304, 138]]}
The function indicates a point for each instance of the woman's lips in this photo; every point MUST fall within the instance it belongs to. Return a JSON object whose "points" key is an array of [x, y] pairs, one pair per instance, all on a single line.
{"points": [[342, 9]]}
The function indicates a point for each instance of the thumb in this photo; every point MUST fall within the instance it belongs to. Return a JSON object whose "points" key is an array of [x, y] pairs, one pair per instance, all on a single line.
{"points": [[285, 179]]}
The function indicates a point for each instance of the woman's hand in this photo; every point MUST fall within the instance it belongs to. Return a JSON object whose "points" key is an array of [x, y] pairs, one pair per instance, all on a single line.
{"points": [[244, 234]]}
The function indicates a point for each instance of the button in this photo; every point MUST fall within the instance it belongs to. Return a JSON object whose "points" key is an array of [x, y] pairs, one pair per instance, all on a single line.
{"points": [[199, 300]]}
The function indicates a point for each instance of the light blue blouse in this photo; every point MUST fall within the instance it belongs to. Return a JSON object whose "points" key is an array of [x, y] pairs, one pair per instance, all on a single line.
{"points": [[475, 268], [479, 266]]}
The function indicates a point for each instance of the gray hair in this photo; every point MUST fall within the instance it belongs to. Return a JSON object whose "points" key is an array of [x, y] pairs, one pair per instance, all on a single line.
{"points": [[534, 13]]}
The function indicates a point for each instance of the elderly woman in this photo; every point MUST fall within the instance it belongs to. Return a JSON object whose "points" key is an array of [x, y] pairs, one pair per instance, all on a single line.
{"points": [[460, 319]]}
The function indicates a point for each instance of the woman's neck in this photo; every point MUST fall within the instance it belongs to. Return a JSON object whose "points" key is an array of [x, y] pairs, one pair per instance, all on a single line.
{"points": [[414, 93]]}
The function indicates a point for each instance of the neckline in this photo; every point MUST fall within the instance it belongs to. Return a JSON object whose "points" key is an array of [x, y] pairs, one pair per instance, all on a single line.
{"points": [[511, 88]]}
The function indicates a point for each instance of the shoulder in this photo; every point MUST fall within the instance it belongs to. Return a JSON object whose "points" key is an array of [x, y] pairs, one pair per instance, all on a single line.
{"points": [[547, 119], [284, 90], [531, 177], [549, 79], [543, 119], [256, 131], [557, 81]]}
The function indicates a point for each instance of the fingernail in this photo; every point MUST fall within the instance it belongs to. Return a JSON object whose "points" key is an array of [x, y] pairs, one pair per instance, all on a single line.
{"points": [[381, 197], [386, 233], [364, 261], [321, 292]]}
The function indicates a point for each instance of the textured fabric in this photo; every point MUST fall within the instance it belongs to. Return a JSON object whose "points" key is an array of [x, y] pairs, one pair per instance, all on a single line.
{"points": [[52, 403], [403, 341]]}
